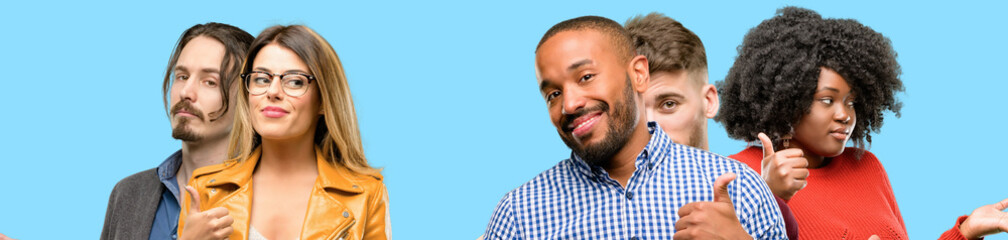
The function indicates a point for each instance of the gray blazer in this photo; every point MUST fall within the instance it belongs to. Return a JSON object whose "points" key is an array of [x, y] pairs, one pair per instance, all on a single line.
{"points": [[132, 206]]}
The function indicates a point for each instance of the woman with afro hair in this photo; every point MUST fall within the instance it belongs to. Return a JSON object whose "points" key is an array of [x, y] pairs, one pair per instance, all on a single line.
{"points": [[804, 86]]}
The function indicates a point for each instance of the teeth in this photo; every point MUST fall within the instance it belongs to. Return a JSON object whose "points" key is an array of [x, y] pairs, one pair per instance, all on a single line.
{"points": [[585, 122]]}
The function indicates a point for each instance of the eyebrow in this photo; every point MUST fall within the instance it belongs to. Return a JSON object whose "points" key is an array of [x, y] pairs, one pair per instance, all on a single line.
{"points": [[544, 84], [210, 70], [578, 64], [180, 68], [574, 66], [669, 95], [829, 89]]}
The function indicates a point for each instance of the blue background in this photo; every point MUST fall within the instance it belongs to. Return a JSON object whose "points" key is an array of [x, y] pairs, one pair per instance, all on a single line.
{"points": [[447, 99]]}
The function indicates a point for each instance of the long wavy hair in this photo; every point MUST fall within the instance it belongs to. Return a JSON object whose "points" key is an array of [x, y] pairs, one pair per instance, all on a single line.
{"points": [[337, 133]]}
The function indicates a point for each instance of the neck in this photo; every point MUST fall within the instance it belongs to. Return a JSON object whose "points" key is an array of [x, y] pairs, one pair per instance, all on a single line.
{"points": [[200, 154], [621, 166], [287, 156], [814, 161]]}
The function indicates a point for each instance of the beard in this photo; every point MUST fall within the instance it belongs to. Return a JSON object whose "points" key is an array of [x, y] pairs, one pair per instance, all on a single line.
{"points": [[181, 131], [623, 119], [696, 138]]}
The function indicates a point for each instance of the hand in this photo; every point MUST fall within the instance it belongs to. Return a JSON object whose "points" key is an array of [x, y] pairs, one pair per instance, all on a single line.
{"points": [[784, 171], [711, 220], [5, 237], [985, 220], [210, 224]]}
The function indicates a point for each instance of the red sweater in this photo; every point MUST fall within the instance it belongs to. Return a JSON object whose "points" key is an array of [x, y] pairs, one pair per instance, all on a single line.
{"points": [[848, 198]]}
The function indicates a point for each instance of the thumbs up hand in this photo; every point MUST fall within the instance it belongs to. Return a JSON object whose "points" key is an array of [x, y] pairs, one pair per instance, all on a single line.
{"points": [[210, 224], [985, 220], [784, 171], [711, 220]]}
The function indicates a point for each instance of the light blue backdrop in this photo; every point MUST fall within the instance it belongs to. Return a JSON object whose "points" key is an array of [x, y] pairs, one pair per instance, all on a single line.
{"points": [[447, 99]]}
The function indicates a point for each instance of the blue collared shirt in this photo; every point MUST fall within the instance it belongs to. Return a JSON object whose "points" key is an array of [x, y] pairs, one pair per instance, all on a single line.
{"points": [[165, 224], [574, 200]]}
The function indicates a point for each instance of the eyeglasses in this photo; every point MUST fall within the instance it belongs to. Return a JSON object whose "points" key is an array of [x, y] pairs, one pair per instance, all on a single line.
{"points": [[293, 84]]}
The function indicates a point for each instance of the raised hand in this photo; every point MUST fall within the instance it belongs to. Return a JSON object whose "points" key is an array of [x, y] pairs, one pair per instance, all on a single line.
{"points": [[985, 220], [711, 220], [210, 224], [784, 171]]}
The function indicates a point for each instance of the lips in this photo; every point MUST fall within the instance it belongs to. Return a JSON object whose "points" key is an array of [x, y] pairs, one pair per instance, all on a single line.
{"points": [[274, 112], [840, 133], [582, 125], [184, 113]]}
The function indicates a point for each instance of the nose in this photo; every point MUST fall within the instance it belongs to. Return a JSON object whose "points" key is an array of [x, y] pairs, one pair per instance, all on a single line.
{"points": [[573, 99], [190, 88], [275, 88], [842, 115]]}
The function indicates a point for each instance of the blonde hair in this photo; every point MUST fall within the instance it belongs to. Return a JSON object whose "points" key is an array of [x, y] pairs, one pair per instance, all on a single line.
{"points": [[337, 133]]}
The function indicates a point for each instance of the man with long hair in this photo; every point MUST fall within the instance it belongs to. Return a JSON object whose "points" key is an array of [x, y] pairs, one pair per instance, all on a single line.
{"points": [[201, 76]]}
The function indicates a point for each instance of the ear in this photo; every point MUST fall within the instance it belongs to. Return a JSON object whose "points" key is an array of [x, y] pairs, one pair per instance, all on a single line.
{"points": [[639, 74], [711, 100]]}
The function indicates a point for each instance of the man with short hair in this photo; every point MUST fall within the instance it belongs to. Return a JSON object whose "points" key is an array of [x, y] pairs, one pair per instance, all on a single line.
{"points": [[201, 77], [678, 96], [625, 179]]}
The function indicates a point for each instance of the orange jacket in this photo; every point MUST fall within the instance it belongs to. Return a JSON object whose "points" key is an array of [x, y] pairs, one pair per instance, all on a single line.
{"points": [[343, 204]]}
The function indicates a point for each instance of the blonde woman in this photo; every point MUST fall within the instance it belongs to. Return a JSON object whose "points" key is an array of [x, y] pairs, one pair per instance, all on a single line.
{"points": [[300, 170]]}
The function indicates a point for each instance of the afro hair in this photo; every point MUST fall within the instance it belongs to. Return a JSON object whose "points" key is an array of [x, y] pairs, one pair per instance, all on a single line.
{"points": [[772, 83]]}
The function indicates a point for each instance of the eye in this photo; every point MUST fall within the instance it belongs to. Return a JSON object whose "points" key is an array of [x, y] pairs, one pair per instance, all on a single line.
{"points": [[850, 103], [181, 77], [668, 105], [586, 77], [261, 81], [294, 83], [210, 83], [551, 95], [827, 101]]}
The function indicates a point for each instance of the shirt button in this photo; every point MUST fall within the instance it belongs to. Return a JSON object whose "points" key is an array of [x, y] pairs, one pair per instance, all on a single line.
{"points": [[650, 165], [629, 195], [645, 153], [213, 180], [634, 238], [173, 236], [354, 186], [346, 214]]}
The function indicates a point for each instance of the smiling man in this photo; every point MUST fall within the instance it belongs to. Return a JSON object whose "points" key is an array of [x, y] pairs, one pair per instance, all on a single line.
{"points": [[200, 78], [625, 178]]}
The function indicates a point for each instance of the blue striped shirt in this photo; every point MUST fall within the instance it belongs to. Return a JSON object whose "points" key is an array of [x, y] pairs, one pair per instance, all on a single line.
{"points": [[574, 200]]}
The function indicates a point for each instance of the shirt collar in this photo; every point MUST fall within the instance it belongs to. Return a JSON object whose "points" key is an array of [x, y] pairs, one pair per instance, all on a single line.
{"points": [[167, 172], [646, 159], [170, 166]]}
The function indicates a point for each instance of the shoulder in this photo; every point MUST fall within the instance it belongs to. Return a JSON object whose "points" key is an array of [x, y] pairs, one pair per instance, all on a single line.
{"points": [[860, 159], [714, 164], [750, 156], [137, 183], [548, 180]]}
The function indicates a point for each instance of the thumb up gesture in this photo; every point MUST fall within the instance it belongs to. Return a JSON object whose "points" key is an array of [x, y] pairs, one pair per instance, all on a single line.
{"points": [[711, 220], [210, 224], [784, 171]]}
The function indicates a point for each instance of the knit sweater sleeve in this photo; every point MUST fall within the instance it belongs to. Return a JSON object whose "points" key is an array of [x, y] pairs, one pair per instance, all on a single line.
{"points": [[954, 234]]}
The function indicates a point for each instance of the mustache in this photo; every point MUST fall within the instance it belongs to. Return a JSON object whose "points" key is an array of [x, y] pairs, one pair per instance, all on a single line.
{"points": [[185, 105], [567, 119]]}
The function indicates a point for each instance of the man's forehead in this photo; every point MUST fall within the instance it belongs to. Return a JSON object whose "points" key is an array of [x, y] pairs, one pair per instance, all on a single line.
{"points": [[201, 54], [570, 48]]}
